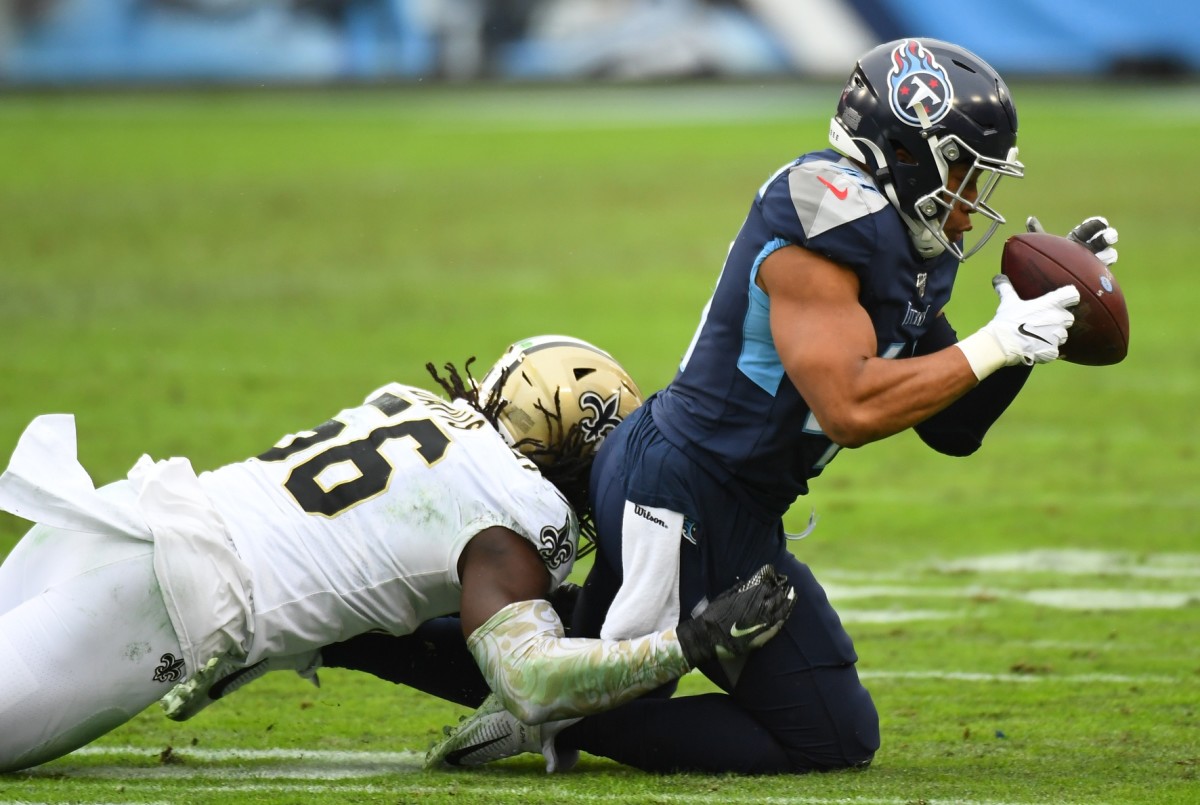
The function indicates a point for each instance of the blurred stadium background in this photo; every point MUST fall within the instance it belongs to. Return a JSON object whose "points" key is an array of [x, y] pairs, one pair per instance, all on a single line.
{"points": [[66, 42]]}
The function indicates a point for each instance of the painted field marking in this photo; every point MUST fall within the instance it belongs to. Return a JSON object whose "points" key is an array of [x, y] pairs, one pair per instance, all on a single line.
{"points": [[324, 755], [1056, 561], [891, 615], [1184, 567], [307, 764], [1080, 562], [558, 792], [1057, 598], [1101, 600], [1067, 679], [1097, 500]]}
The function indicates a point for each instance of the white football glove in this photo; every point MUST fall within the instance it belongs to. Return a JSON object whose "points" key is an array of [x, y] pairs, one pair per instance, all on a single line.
{"points": [[1095, 233], [1024, 331]]}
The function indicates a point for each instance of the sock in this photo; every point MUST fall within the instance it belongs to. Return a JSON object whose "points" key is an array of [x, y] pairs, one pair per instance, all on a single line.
{"points": [[433, 659]]}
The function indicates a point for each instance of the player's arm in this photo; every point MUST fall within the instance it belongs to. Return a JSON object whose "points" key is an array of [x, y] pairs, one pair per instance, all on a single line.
{"points": [[518, 640], [827, 345], [958, 429]]}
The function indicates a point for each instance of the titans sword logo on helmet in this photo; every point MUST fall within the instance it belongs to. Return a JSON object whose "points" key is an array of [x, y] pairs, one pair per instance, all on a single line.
{"points": [[916, 80]]}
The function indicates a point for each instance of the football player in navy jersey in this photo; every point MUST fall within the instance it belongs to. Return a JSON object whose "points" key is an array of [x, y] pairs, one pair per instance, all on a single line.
{"points": [[826, 330]]}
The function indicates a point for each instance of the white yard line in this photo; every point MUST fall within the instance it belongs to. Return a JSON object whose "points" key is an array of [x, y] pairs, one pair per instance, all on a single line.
{"points": [[1056, 561], [258, 764], [1075, 598], [842, 585], [323, 755], [1098, 500], [857, 616], [1066, 679], [464, 785], [1080, 562]]}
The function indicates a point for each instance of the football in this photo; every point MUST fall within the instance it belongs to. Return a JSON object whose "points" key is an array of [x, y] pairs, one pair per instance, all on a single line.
{"points": [[1037, 263]]}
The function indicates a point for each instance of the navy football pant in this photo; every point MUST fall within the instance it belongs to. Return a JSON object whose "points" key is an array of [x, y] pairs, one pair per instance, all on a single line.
{"points": [[783, 713], [795, 705]]}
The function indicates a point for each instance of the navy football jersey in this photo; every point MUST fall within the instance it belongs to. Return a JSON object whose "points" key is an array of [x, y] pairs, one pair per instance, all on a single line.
{"points": [[731, 406]]}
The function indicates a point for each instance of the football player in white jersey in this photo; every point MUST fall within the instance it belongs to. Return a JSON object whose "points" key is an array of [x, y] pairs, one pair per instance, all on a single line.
{"points": [[394, 512]]}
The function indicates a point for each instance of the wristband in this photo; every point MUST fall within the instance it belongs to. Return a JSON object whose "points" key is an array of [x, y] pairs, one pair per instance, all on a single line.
{"points": [[983, 352]]}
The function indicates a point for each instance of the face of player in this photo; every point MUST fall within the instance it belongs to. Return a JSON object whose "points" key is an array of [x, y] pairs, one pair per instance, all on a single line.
{"points": [[959, 219]]}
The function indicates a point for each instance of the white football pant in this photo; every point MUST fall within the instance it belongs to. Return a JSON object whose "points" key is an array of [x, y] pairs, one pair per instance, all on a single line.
{"points": [[85, 641]]}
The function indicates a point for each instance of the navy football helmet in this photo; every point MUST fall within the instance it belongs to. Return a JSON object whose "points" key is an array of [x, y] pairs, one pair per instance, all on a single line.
{"points": [[911, 109]]}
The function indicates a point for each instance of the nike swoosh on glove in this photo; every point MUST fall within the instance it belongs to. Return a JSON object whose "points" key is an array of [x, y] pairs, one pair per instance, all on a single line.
{"points": [[1025, 331], [738, 620]]}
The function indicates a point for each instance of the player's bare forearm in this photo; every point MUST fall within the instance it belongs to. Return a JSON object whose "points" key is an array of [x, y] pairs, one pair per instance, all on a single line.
{"points": [[863, 399], [827, 345]]}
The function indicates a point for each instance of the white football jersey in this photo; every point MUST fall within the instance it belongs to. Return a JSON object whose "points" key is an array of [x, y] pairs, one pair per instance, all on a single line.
{"points": [[358, 524]]}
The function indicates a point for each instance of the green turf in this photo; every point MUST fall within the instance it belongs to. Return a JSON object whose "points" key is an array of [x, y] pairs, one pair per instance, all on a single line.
{"points": [[198, 273]]}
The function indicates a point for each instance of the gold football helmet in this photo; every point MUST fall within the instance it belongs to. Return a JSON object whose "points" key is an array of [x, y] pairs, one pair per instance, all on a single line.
{"points": [[558, 395]]}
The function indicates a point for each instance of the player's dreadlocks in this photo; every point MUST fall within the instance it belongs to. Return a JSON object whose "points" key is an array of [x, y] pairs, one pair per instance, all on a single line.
{"points": [[566, 462]]}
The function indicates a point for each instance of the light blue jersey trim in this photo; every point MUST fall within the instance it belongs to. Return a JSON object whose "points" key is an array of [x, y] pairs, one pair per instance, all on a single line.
{"points": [[759, 360]]}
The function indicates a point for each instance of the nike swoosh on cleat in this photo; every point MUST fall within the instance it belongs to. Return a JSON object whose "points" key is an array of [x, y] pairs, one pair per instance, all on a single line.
{"points": [[454, 757], [1021, 329], [841, 194], [737, 631]]}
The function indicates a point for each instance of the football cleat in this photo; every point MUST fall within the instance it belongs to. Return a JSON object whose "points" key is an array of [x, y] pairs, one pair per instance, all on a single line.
{"points": [[493, 733], [220, 677]]}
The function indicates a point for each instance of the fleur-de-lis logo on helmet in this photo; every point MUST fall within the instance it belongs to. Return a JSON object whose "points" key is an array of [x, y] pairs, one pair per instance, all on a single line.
{"points": [[559, 394], [605, 414]]}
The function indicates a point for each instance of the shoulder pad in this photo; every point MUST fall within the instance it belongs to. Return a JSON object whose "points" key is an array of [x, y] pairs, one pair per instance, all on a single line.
{"points": [[828, 194]]}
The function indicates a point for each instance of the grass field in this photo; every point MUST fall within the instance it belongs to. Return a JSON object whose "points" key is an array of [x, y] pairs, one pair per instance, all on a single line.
{"points": [[199, 273]]}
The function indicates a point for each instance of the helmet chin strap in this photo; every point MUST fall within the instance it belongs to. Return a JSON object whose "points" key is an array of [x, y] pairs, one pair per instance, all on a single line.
{"points": [[923, 238], [926, 241]]}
